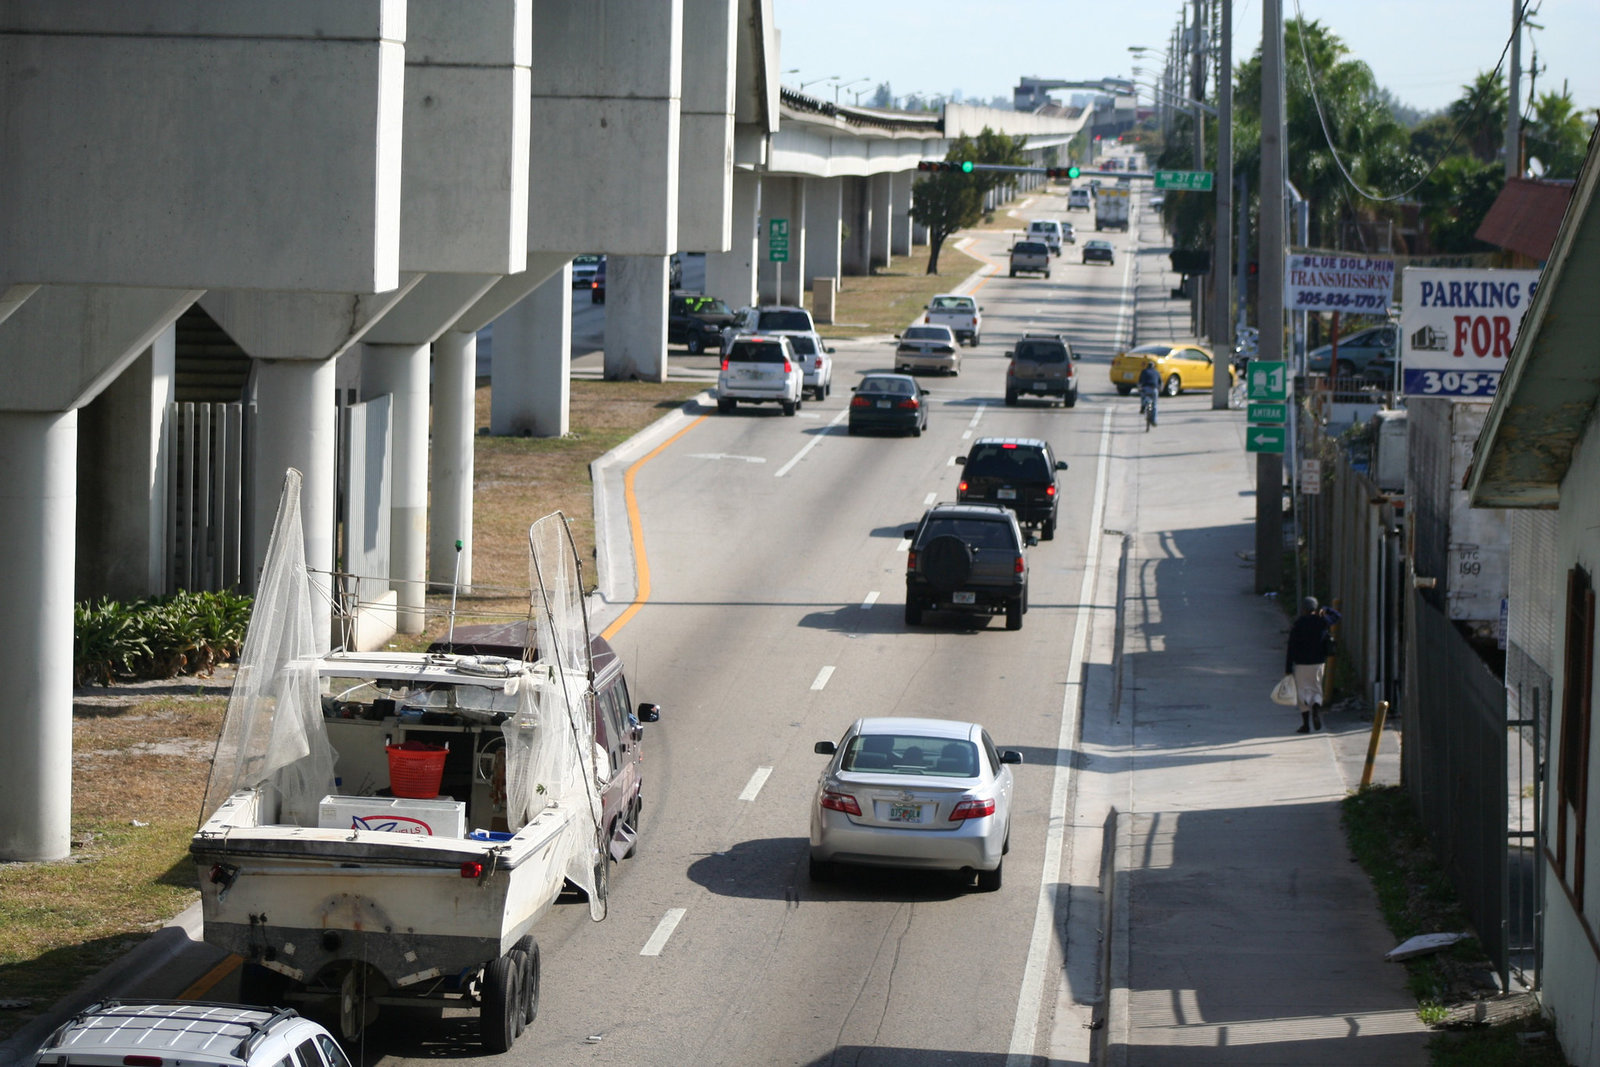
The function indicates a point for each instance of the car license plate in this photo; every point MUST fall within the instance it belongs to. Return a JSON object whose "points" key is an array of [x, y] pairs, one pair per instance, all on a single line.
{"points": [[883, 403], [1005, 494], [1041, 385], [963, 598], [905, 812]]}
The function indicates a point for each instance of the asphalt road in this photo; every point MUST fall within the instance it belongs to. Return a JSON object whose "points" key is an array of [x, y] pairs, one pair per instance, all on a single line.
{"points": [[776, 561]]}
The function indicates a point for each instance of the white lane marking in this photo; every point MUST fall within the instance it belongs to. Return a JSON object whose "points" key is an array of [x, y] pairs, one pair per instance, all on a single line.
{"points": [[807, 415], [872, 598], [816, 439], [929, 500], [1025, 1031], [757, 780], [952, 462], [726, 455], [822, 678], [976, 415], [904, 545], [966, 435], [658, 940]]}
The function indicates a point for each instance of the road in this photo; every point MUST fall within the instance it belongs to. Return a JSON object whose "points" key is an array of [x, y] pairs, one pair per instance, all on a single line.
{"points": [[776, 559]]}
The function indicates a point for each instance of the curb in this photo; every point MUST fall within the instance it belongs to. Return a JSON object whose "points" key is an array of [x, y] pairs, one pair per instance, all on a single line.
{"points": [[1111, 1038]]}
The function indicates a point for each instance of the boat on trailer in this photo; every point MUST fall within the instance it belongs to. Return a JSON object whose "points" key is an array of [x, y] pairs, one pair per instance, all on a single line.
{"points": [[389, 828]]}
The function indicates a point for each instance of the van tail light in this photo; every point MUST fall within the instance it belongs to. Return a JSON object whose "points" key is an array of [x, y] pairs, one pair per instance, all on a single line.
{"points": [[840, 802], [961, 486], [911, 559], [724, 362], [788, 368], [1019, 566], [972, 808]]}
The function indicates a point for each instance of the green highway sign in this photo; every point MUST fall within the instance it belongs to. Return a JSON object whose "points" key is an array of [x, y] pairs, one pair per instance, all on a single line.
{"points": [[1264, 439], [1276, 414], [1198, 181], [778, 228], [778, 240], [1268, 380]]}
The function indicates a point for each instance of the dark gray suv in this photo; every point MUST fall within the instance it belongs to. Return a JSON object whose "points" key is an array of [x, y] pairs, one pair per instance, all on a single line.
{"points": [[967, 558]]}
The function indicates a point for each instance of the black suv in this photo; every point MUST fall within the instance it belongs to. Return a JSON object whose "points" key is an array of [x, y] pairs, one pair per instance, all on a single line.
{"points": [[1015, 472], [697, 321], [967, 557]]}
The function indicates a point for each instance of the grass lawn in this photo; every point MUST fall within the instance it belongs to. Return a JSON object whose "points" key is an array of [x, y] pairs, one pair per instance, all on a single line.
{"points": [[889, 300]]}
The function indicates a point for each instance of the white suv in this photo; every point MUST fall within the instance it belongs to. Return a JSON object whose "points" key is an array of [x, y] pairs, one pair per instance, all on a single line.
{"points": [[194, 1034], [816, 360], [761, 369]]}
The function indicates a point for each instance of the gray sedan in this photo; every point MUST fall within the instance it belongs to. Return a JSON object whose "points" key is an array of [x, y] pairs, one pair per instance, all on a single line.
{"points": [[925, 794], [927, 348]]}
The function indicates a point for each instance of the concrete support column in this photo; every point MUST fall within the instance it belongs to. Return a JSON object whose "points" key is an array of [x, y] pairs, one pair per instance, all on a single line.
{"points": [[900, 225], [455, 378], [782, 198], [636, 318], [533, 361], [122, 467], [38, 510], [401, 371], [297, 426], [824, 214], [882, 193], [731, 275], [858, 226]]}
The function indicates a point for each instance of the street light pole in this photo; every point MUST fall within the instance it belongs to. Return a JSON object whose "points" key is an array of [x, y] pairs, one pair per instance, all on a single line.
{"points": [[1198, 87], [1222, 310], [1269, 465]]}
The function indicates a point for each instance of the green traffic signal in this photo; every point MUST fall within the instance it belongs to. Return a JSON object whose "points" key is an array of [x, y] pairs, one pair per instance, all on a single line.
{"points": [[966, 166], [1073, 172]]}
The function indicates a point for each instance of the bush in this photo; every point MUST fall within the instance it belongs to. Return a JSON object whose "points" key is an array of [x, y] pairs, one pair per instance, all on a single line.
{"points": [[158, 637]]}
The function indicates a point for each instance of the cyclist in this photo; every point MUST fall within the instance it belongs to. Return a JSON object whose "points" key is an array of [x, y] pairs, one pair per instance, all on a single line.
{"points": [[1149, 388]]}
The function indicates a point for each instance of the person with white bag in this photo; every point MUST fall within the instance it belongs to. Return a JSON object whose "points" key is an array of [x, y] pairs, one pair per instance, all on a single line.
{"points": [[1310, 645]]}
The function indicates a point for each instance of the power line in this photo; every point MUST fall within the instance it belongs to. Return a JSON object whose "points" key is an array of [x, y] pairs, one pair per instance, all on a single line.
{"points": [[1305, 58]]}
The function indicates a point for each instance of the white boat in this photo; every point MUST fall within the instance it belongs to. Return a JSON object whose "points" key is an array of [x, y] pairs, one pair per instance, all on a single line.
{"points": [[334, 888]]}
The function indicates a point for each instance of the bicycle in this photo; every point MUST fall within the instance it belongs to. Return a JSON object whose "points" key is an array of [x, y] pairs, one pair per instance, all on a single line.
{"points": [[1147, 407]]}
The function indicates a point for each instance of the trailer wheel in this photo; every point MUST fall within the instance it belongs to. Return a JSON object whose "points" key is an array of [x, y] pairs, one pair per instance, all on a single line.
{"points": [[500, 1010], [527, 951]]}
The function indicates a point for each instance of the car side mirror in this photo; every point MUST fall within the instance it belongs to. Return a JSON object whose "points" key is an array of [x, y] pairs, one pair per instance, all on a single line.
{"points": [[924, 392], [1031, 540], [1061, 464], [1075, 355], [828, 350], [1010, 755], [853, 388], [1010, 355], [649, 712], [961, 461], [824, 748]]}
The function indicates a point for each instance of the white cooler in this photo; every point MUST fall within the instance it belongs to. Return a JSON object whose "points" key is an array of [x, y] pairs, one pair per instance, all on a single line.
{"points": [[397, 815]]}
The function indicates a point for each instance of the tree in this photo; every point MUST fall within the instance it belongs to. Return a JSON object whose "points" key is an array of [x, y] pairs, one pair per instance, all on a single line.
{"points": [[1481, 113], [1557, 137], [950, 200], [1456, 197], [883, 96]]}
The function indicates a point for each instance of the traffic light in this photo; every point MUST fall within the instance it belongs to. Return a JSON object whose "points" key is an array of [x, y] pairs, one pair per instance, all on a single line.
{"points": [[964, 167], [1062, 172]]}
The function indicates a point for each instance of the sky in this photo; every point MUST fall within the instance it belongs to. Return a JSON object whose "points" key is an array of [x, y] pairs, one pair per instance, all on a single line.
{"points": [[1423, 51]]}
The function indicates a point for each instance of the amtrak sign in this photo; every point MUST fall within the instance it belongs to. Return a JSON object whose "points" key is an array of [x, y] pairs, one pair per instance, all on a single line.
{"points": [[1457, 328]]}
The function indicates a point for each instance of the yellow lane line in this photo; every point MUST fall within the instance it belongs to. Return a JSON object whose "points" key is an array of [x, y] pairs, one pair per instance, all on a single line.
{"points": [[641, 563], [206, 982]]}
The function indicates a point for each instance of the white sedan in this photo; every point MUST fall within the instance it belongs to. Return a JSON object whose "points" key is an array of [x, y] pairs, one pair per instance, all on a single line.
{"points": [[925, 794]]}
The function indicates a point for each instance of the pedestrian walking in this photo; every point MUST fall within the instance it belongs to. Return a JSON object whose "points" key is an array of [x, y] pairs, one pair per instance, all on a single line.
{"points": [[1310, 645]]}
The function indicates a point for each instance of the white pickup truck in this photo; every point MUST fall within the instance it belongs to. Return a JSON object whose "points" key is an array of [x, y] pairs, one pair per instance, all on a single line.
{"points": [[961, 313]]}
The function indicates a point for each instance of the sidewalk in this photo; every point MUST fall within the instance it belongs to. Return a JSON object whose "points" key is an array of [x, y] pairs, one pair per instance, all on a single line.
{"points": [[1242, 931]]}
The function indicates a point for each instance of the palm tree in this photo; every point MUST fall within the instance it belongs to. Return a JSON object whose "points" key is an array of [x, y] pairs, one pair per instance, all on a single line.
{"points": [[1481, 113], [1558, 136]]}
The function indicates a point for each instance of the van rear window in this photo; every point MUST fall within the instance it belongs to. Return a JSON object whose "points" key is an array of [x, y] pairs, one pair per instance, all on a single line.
{"points": [[755, 352]]}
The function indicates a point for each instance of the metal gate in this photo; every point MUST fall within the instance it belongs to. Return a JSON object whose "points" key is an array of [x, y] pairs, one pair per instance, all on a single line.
{"points": [[206, 444]]}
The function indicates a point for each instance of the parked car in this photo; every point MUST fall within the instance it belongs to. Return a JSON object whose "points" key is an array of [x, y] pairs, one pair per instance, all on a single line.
{"points": [[961, 313], [1032, 257], [927, 348], [925, 794], [1048, 231], [768, 318], [816, 360], [597, 284], [760, 369], [1018, 473], [1042, 364], [188, 1033], [1181, 367], [697, 321], [967, 558], [583, 268], [888, 402], [1356, 351], [1098, 251]]}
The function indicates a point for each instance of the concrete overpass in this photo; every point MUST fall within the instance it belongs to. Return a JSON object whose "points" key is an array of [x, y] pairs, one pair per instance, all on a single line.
{"points": [[349, 192]]}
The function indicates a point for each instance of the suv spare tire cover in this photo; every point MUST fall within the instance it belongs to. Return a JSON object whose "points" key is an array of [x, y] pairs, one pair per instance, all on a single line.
{"points": [[946, 563]]}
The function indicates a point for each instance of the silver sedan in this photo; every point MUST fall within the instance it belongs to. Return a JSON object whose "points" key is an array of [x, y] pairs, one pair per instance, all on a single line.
{"points": [[926, 794], [927, 348]]}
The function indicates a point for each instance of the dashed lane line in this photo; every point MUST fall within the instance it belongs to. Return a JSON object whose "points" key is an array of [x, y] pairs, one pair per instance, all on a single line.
{"points": [[757, 780], [822, 678], [658, 940]]}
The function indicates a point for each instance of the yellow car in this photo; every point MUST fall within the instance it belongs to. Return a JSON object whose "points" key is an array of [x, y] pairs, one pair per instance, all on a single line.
{"points": [[1181, 367]]}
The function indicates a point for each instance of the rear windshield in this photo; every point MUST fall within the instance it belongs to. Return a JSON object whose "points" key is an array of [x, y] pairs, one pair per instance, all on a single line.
{"points": [[927, 333], [952, 303], [1158, 351], [1042, 351], [1042, 227], [756, 352], [784, 320], [907, 754], [979, 533], [997, 461], [1029, 248], [803, 345], [892, 386]]}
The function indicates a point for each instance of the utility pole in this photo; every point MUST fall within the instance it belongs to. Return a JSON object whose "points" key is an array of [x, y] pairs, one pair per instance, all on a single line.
{"points": [[1222, 312], [1269, 466], [1197, 84], [1513, 103]]}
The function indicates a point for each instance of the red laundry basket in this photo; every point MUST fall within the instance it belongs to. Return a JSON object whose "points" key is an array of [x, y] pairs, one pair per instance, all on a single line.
{"points": [[415, 769]]}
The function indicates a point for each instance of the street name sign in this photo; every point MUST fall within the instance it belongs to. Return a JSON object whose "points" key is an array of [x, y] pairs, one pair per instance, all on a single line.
{"points": [[1264, 439], [1268, 380], [1271, 414], [1198, 181]]}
